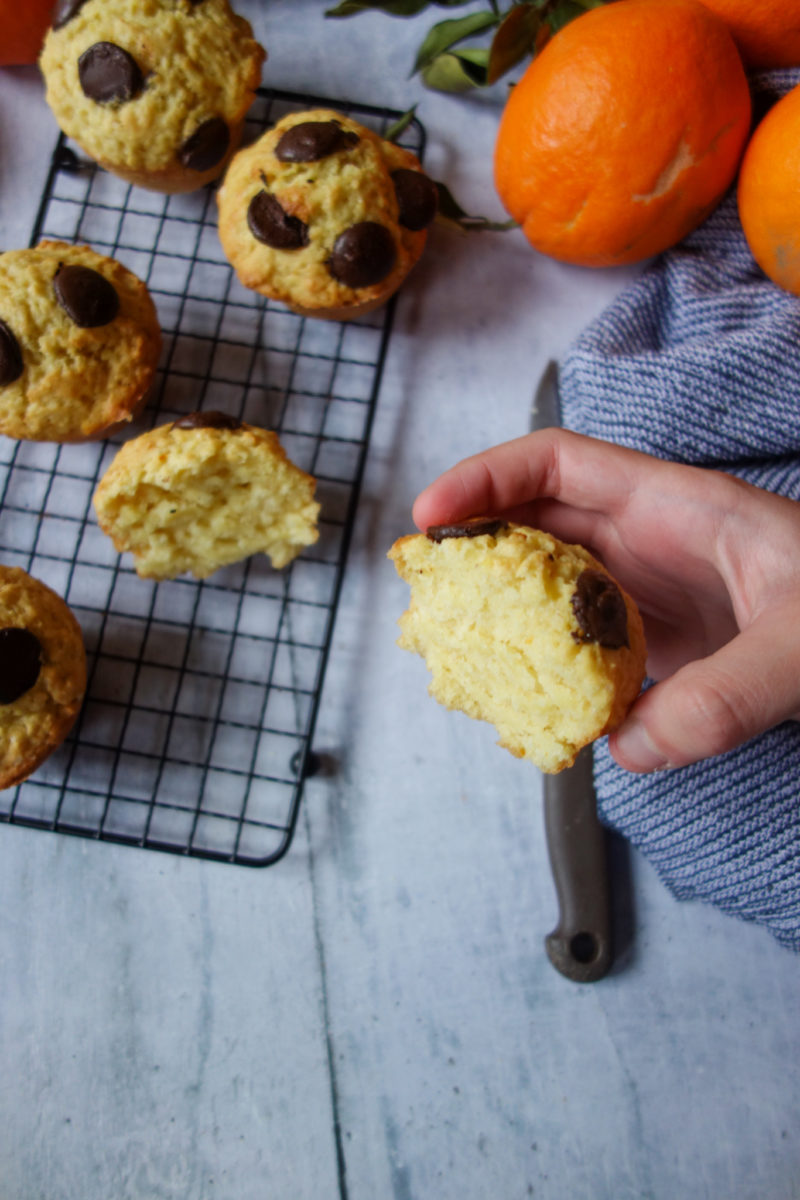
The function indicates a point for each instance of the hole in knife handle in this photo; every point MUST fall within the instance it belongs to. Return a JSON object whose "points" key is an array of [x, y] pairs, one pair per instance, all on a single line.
{"points": [[583, 947]]}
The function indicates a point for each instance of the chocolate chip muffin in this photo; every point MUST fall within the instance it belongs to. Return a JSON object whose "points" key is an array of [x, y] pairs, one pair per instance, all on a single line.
{"points": [[79, 343], [324, 215], [524, 631], [42, 673], [156, 91], [203, 492]]}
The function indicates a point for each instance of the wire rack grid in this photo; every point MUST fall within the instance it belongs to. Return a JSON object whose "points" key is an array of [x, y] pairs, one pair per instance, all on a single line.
{"points": [[195, 734]]}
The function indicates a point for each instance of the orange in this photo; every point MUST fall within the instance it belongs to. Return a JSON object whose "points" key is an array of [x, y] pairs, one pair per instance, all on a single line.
{"points": [[23, 24], [767, 32], [769, 193], [624, 133]]}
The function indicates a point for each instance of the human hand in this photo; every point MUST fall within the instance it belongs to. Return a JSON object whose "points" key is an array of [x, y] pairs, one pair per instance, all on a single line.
{"points": [[712, 562]]}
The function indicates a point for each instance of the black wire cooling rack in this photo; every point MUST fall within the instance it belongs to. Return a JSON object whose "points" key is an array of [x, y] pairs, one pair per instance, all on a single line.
{"points": [[195, 735]]}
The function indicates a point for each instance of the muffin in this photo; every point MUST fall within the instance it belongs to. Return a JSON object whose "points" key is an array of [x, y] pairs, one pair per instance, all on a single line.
{"points": [[203, 492], [523, 631], [79, 343], [42, 673], [324, 215], [156, 91]]}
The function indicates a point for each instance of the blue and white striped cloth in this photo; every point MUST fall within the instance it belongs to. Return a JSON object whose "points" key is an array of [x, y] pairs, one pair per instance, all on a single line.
{"points": [[698, 361]]}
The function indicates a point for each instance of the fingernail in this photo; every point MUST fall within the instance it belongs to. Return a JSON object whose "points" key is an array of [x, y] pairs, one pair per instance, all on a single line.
{"points": [[635, 749]]}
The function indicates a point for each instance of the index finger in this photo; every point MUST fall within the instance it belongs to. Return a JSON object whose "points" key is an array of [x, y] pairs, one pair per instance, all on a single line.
{"points": [[577, 470]]}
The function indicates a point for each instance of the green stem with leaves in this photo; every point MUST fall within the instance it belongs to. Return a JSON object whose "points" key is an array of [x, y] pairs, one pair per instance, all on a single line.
{"points": [[446, 64]]}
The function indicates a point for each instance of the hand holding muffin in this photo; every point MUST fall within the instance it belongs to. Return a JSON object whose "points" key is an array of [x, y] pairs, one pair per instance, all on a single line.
{"points": [[711, 562]]}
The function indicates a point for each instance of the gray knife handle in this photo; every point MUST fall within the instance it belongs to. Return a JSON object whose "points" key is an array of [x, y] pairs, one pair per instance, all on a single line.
{"points": [[580, 945]]}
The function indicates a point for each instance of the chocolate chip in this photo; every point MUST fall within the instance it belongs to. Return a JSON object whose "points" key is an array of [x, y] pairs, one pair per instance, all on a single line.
{"points": [[85, 295], [65, 10], [417, 198], [107, 73], [362, 255], [10, 356], [599, 608], [20, 663], [270, 224], [207, 146], [311, 140], [207, 420], [469, 528]]}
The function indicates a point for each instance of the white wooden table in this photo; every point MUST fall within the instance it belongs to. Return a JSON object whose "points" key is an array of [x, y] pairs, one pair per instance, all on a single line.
{"points": [[374, 1017]]}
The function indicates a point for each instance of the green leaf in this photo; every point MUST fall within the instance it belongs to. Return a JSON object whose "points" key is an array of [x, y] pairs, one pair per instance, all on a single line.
{"points": [[447, 74], [456, 72], [445, 34], [452, 214], [561, 14], [515, 37], [400, 125], [475, 62]]}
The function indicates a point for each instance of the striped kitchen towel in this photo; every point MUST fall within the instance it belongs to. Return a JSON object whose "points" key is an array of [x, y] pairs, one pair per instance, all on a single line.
{"points": [[698, 361]]}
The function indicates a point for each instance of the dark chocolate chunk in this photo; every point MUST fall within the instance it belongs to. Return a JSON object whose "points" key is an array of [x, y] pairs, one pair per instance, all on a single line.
{"points": [[65, 10], [10, 356], [362, 255], [270, 224], [207, 420], [20, 663], [108, 73], [85, 295], [470, 528], [207, 146], [312, 140], [417, 198], [599, 608]]}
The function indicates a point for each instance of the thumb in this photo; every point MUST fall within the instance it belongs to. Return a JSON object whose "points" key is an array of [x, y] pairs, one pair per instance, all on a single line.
{"points": [[714, 704]]}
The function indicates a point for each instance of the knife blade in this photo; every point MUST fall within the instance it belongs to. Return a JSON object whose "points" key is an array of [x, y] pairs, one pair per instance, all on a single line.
{"points": [[580, 944]]}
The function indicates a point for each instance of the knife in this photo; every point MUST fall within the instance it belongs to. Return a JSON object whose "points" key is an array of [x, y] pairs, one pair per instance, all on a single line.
{"points": [[580, 945]]}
